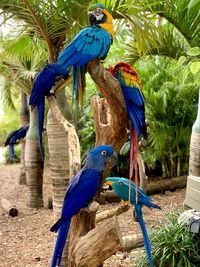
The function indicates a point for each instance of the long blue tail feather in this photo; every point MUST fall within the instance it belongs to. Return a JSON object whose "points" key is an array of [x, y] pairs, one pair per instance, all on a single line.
{"points": [[138, 209], [60, 243], [40, 108], [12, 151]]}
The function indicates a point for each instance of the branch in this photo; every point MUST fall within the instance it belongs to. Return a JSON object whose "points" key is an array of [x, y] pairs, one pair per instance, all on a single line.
{"points": [[98, 245], [110, 213], [110, 114]]}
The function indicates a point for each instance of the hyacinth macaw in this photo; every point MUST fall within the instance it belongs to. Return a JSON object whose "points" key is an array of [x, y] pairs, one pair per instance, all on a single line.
{"points": [[121, 188], [91, 42], [135, 104], [80, 192], [42, 86], [14, 138]]}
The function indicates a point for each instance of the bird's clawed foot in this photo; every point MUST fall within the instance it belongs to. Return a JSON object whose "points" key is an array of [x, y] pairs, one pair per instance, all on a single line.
{"points": [[125, 202]]}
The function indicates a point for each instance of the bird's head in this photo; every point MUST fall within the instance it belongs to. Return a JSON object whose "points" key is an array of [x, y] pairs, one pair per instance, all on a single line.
{"points": [[101, 156], [126, 72], [116, 181], [99, 15]]}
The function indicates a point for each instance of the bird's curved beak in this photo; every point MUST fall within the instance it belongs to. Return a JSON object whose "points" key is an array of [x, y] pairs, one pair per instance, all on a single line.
{"points": [[112, 159], [92, 18]]}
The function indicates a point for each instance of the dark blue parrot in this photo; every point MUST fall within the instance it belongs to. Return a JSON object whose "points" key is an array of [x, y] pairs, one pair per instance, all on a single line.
{"points": [[42, 85], [121, 188], [91, 42], [135, 104], [80, 193], [14, 138]]}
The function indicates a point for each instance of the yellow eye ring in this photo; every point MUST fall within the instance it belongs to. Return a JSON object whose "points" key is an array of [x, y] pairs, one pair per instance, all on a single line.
{"points": [[103, 152]]}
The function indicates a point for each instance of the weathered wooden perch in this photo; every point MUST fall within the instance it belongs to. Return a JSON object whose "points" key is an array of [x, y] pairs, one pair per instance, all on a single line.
{"points": [[8, 207], [98, 245], [110, 213], [110, 115]]}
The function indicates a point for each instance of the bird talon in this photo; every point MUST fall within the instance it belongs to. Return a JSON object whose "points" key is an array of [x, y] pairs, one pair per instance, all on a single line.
{"points": [[125, 202]]}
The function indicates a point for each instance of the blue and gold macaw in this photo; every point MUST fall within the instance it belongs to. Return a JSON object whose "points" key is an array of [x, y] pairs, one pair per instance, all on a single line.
{"points": [[14, 138], [80, 192], [121, 188], [135, 104], [90, 43], [42, 86]]}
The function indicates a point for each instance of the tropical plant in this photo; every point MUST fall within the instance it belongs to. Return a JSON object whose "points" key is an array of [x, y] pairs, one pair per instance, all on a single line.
{"points": [[171, 103], [173, 245]]}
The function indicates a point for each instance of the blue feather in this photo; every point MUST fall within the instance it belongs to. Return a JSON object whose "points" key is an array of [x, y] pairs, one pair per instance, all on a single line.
{"points": [[40, 109], [80, 193], [12, 151], [42, 86], [147, 243]]}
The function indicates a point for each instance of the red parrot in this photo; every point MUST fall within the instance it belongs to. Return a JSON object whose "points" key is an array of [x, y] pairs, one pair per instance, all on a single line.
{"points": [[135, 104]]}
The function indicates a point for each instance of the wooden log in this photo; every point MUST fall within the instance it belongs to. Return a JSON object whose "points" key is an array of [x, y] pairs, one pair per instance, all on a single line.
{"points": [[131, 242], [166, 184], [98, 245], [110, 213], [8, 207]]}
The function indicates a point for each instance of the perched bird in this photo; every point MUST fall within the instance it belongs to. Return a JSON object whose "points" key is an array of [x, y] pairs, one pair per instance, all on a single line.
{"points": [[80, 192], [14, 138], [91, 42], [42, 85], [121, 188], [135, 104]]}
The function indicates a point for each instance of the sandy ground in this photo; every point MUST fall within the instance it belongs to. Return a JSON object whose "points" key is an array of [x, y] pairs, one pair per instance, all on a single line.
{"points": [[25, 241]]}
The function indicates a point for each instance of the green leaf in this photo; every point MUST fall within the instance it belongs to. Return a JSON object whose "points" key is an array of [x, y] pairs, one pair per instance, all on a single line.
{"points": [[181, 60], [193, 3], [195, 67], [194, 51]]}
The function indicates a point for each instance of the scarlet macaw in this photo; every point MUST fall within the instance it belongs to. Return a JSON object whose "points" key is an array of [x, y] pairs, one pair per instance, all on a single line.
{"points": [[80, 192], [91, 42], [121, 188], [42, 86], [14, 138], [135, 104]]}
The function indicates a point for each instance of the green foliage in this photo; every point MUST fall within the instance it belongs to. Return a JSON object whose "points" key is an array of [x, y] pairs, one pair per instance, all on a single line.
{"points": [[9, 121], [171, 105], [172, 246]]}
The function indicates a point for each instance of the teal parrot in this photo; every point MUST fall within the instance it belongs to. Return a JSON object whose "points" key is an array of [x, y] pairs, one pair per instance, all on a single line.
{"points": [[90, 43], [80, 193], [121, 188], [135, 104]]}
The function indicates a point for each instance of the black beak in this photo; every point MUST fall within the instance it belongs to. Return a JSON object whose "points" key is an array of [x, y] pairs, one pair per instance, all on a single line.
{"points": [[112, 159], [92, 19]]}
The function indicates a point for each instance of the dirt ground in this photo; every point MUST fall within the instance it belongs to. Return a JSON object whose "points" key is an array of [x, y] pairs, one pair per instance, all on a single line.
{"points": [[25, 241]]}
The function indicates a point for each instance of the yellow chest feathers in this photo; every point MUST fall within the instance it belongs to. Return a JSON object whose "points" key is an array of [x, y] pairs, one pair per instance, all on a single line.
{"points": [[108, 25]]}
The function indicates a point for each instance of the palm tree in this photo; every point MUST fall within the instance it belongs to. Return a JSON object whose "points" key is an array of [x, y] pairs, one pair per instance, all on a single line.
{"points": [[20, 69]]}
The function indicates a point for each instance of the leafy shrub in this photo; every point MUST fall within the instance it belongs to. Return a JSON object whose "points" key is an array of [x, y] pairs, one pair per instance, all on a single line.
{"points": [[173, 246]]}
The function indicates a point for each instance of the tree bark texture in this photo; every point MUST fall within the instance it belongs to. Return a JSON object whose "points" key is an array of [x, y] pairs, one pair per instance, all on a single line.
{"points": [[34, 165], [97, 245], [110, 115], [64, 152], [24, 120]]}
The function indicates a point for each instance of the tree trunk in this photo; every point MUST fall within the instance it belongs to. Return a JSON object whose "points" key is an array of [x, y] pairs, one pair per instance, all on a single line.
{"points": [[110, 115], [33, 164], [24, 119], [64, 151]]}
